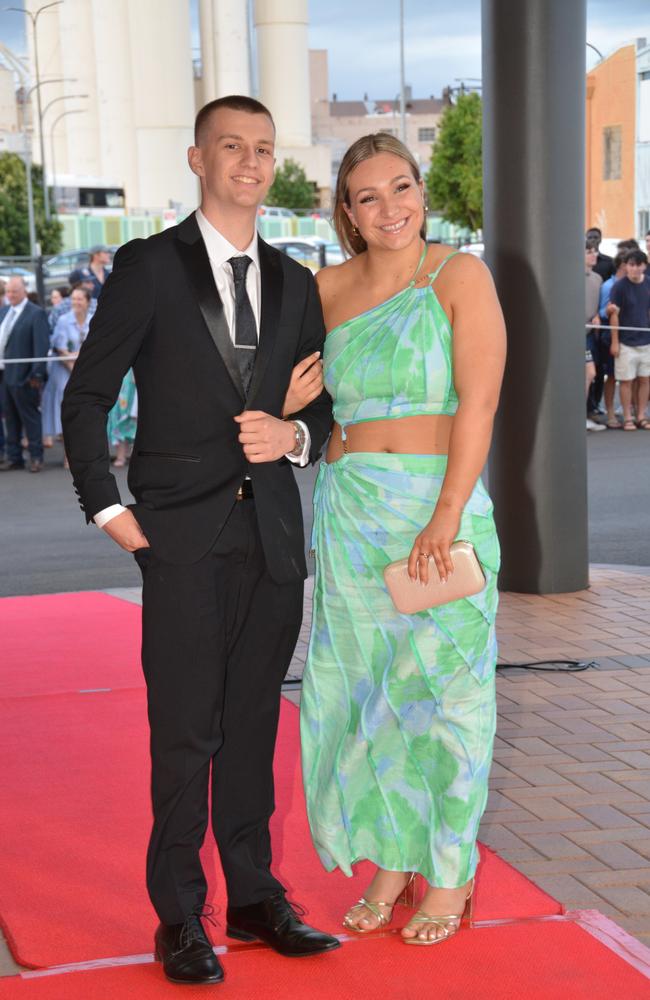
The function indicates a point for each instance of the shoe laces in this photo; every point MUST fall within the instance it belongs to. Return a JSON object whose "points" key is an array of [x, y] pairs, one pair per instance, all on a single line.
{"points": [[298, 909], [192, 927]]}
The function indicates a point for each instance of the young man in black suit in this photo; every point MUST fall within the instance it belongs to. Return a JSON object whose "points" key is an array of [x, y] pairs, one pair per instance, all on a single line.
{"points": [[212, 320], [24, 333]]}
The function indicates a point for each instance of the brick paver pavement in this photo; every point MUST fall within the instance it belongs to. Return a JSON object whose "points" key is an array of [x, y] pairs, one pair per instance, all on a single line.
{"points": [[569, 801]]}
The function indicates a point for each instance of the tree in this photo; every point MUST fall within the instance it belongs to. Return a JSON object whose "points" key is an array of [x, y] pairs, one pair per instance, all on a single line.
{"points": [[455, 180], [291, 189], [14, 226]]}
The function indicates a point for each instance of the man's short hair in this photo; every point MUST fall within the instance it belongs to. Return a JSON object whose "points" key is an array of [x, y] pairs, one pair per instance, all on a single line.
{"points": [[636, 257], [630, 244], [594, 229], [619, 260], [234, 102]]}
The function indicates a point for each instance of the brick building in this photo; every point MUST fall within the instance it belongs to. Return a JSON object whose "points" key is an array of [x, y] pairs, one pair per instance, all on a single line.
{"points": [[618, 142], [338, 123]]}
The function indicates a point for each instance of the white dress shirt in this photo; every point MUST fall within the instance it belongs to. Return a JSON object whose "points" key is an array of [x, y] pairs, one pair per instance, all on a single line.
{"points": [[7, 325], [219, 253]]}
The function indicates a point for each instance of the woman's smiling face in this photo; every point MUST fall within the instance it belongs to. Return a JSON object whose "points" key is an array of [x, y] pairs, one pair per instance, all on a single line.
{"points": [[386, 202]]}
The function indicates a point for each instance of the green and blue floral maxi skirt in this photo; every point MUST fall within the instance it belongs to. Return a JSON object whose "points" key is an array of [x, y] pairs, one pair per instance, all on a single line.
{"points": [[398, 711]]}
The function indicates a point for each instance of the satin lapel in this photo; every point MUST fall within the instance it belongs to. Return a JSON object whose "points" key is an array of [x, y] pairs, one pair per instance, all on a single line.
{"points": [[272, 283], [194, 257]]}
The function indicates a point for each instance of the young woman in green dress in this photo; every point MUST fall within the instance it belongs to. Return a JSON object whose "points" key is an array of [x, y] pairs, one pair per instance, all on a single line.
{"points": [[398, 711]]}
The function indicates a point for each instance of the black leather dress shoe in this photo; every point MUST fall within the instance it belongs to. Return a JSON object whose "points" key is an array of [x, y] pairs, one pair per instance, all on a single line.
{"points": [[186, 953], [275, 922]]}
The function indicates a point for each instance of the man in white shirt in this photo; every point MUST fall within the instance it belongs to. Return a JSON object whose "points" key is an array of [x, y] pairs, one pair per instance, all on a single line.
{"points": [[24, 334], [212, 320]]}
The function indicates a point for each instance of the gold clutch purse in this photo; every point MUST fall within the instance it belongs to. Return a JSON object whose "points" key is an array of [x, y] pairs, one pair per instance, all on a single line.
{"points": [[410, 596]]}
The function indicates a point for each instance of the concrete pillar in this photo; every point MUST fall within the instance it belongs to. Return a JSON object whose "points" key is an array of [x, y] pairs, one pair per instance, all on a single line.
{"points": [[117, 139], [163, 101], [534, 129], [78, 62], [8, 106], [225, 48], [283, 62]]}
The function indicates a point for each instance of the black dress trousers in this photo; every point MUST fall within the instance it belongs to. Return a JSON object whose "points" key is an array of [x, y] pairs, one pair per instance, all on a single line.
{"points": [[218, 637]]}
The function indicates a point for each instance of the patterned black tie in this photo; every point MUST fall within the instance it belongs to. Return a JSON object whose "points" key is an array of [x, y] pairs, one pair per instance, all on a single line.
{"points": [[245, 327]]}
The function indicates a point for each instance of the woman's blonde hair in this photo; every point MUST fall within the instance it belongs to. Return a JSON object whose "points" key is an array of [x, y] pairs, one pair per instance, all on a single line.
{"points": [[364, 149]]}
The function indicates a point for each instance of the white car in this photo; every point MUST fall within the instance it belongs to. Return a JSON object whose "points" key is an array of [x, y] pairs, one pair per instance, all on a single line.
{"points": [[478, 249], [8, 270], [275, 212], [307, 250]]}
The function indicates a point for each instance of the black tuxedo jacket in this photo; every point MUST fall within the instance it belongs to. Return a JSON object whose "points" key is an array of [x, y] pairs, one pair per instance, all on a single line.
{"points": [[29, 338], [160, 314]]}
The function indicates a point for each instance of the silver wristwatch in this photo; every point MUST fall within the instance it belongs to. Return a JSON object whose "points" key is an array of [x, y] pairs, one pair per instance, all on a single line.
{"points": [[301, 439]]}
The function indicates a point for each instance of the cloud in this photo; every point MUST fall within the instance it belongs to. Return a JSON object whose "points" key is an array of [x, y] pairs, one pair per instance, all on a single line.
{"points": [[442, 41]]}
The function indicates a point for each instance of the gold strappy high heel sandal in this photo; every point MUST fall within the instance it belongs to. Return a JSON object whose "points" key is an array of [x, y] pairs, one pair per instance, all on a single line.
{"points": [[382, 911], [449, 923]]}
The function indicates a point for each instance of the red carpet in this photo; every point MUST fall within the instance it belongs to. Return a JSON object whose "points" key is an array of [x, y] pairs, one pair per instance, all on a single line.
{"points": [[72, 848], [542, 961], [68, 642], [72, 855]]}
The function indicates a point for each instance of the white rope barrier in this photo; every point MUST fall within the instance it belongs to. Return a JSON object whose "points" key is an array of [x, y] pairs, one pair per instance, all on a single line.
{"points": [[33, 361], [73, 357], [606, 326]]}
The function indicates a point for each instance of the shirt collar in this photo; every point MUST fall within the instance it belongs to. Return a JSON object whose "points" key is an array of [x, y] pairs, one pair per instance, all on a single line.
{"points": [[19, 308], [218, 247]]}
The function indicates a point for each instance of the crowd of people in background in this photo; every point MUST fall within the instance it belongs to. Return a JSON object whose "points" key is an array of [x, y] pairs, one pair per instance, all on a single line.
{"points": [[31, 392], [617, 318], [617, 321]]}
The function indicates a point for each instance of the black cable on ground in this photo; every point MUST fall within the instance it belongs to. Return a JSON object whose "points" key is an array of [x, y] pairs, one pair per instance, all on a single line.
{"points": [[568, 666]]}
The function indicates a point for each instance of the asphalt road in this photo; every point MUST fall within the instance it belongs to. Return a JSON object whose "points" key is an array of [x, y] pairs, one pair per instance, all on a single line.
{"points": [[46, 547]]}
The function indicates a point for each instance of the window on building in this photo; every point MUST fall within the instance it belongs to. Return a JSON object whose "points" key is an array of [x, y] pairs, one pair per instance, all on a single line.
{"points": [[612, 142], [644, 108], [426, 134]]}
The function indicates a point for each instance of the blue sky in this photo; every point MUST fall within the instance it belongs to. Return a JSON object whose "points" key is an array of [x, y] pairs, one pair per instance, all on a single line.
{"points": [[442, 39]]}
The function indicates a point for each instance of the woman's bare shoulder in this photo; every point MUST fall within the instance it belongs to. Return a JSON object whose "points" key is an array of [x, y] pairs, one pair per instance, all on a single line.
{"points": [[336, 285], [333, 280], [462, 269]]}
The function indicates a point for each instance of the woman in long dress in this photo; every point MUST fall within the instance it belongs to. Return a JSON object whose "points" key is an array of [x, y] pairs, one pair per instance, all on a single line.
{"points": [[69, 333], [123, 420], [398, 711]]}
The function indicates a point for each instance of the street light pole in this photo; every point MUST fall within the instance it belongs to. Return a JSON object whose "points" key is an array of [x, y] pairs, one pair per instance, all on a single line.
{"points": [[73, 111], [27, 155], [65, 97], [34, 19], [597, 51], [402, 101]]}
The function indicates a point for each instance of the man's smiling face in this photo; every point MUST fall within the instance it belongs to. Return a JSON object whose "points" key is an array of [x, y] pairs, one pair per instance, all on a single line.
{"points": [[235, 158]]}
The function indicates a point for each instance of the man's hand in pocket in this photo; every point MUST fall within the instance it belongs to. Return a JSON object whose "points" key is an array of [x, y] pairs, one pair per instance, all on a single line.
{"points": [[125, 530]]}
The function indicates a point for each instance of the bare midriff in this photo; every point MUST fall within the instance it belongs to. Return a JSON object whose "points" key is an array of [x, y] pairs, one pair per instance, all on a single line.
{"points": [[420, 435]]}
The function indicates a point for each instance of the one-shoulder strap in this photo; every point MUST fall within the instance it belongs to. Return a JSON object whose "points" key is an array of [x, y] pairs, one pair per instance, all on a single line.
{"points": [[434, 274], [420, 263]]}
